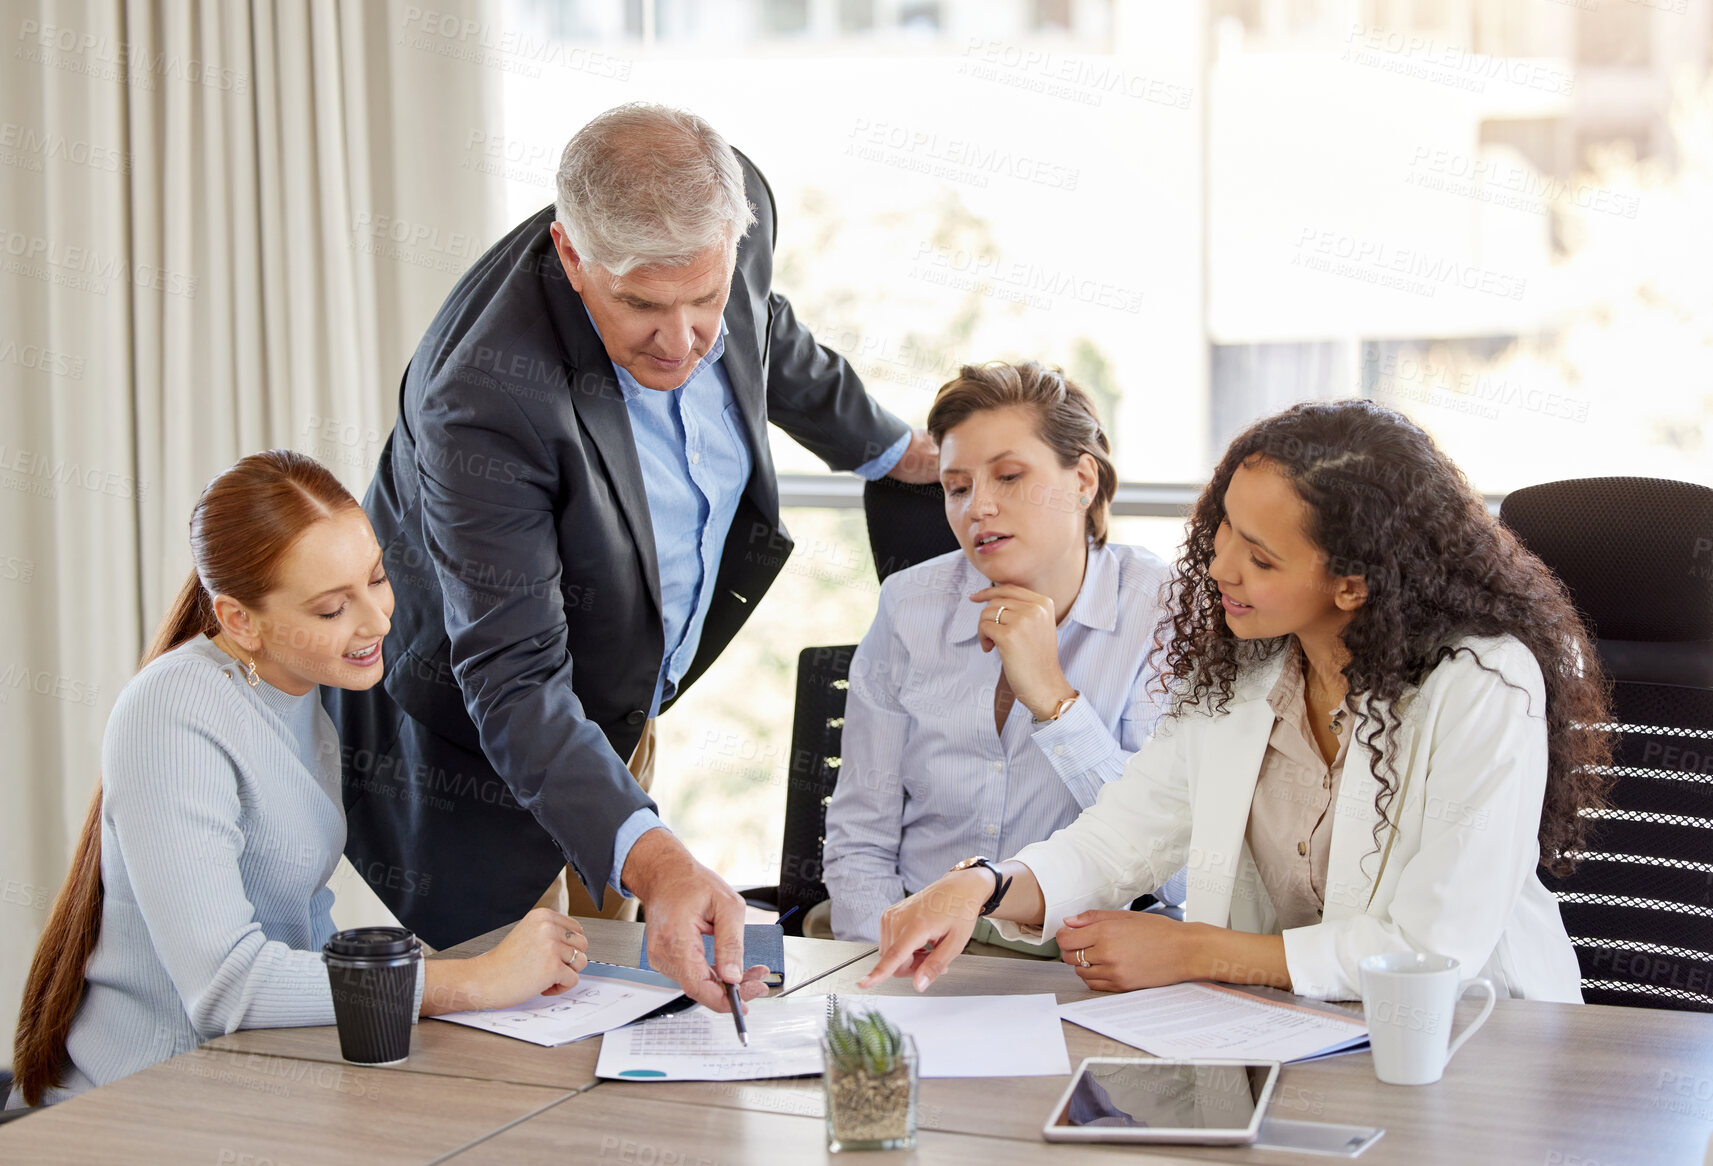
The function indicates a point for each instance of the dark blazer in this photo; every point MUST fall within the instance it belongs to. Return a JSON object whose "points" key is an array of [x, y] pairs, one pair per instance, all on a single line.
{"points": [[527, 635]]}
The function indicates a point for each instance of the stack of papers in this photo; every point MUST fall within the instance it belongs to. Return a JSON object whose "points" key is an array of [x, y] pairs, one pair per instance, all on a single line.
{"points": [[956, 1036], [1212, 1020]]}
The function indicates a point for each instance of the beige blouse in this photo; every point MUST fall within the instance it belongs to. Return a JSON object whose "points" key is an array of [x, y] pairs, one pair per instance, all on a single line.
{"points": [[1290, 819]]}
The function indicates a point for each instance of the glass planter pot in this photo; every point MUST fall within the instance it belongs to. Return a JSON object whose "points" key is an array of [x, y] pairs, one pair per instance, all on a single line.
{"points": [[868, 1110]]}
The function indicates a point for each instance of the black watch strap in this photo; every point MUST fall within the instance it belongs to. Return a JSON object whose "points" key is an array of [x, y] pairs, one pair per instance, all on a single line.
{"points": [[1001, 884]]}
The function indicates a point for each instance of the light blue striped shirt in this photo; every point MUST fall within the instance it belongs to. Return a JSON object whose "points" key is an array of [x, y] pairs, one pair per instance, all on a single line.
{"points": [[926, 781], [695, 463]]}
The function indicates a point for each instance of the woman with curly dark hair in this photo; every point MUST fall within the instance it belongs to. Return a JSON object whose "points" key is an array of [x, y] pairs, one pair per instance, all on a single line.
{"points": [[1385, 715]]}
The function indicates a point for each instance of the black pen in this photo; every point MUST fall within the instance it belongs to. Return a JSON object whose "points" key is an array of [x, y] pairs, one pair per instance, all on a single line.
{"points": [[737, 1013]]}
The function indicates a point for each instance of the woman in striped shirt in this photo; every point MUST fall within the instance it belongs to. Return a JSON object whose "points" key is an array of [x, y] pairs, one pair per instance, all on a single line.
{"points": [[1002, 685]]}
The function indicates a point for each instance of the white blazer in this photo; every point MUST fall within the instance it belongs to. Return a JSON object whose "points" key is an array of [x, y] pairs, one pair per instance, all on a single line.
{"points": [[1456, 875]]}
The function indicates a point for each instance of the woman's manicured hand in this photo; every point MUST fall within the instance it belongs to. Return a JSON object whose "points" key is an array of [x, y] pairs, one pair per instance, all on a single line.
{"points": [[1127, 949], [920, 936], [542, 955]]}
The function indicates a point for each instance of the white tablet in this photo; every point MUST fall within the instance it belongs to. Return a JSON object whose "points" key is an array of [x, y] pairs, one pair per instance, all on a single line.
{"points": [[1124, 1099]]}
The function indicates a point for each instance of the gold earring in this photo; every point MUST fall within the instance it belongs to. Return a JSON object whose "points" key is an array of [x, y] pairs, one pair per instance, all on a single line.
{"points": [[250, 676]]}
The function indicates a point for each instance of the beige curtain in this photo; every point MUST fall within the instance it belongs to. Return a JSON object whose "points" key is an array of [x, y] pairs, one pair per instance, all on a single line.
{"points": [[223, 227]]}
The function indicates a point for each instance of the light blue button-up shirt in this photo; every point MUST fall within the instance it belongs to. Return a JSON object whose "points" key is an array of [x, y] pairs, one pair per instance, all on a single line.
{"points": [[926, 780], [695, 463]]}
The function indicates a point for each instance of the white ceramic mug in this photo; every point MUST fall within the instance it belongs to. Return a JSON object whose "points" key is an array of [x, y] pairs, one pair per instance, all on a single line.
{"points": [[1409, 1000]]}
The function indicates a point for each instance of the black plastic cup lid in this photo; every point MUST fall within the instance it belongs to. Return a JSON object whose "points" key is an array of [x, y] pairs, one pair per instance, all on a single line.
{"points": [[372, 942]]}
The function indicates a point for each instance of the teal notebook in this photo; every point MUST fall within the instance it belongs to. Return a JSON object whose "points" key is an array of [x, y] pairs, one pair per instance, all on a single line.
{"points": [[763, 943]]}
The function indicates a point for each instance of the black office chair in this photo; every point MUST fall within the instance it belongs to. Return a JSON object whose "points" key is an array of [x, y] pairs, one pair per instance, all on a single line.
{"points": [[1637, 557], [906, 524], [817, 725]]}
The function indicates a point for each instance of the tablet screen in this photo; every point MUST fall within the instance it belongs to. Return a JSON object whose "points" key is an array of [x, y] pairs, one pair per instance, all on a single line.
{"points": [[1165, 1096]]}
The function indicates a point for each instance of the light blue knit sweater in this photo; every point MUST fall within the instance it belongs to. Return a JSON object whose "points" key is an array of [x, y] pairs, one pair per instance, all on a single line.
{"points": [[221, 822]]}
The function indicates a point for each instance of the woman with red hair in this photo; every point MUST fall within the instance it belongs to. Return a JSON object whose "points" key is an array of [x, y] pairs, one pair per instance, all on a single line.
{"points": [[197, 902]]}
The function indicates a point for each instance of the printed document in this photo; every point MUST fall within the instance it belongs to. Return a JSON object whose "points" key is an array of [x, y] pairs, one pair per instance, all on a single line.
{"points": [[1212, 1020]]}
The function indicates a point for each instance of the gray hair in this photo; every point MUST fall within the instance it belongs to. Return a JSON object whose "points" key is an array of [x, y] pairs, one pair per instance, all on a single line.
{"points": [[645, 184]]}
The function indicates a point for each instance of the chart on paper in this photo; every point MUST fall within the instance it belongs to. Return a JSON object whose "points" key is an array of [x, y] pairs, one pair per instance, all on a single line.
{"points": [[701, 1045]]}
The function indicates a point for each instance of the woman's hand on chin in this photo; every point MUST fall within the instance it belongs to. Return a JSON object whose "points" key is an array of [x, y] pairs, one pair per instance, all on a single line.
{"points": [[1027, 637]]}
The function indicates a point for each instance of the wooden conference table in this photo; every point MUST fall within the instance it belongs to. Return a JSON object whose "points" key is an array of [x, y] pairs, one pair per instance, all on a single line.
{"points": [[1545, 1084]]}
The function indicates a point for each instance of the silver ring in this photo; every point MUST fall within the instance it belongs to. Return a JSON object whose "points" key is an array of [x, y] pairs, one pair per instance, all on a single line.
{"points": [[999, 613]]}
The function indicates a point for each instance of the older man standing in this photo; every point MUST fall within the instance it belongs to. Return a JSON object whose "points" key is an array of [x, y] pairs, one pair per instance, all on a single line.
{"points": [[578, 511]]}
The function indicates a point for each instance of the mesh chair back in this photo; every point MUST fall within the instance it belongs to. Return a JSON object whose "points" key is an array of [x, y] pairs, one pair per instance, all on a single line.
{"points": [[817, 726], [1637, 557], [906, 524]]}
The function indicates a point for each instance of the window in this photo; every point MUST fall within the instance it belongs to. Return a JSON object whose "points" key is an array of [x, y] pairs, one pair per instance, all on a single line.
{"points": [[1328, 213]]}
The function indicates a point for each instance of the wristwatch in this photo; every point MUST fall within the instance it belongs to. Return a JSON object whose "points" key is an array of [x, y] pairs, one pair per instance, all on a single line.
{"points": [[1059, 710], [1001, 883]]}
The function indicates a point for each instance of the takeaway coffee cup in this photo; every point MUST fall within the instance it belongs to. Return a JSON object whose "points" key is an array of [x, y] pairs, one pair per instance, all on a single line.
{"points": [[1409, 999], [372, 971]]}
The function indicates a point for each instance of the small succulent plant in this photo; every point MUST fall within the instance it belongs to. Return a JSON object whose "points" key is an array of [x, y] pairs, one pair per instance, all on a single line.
{"points": [[865, 1042]]}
